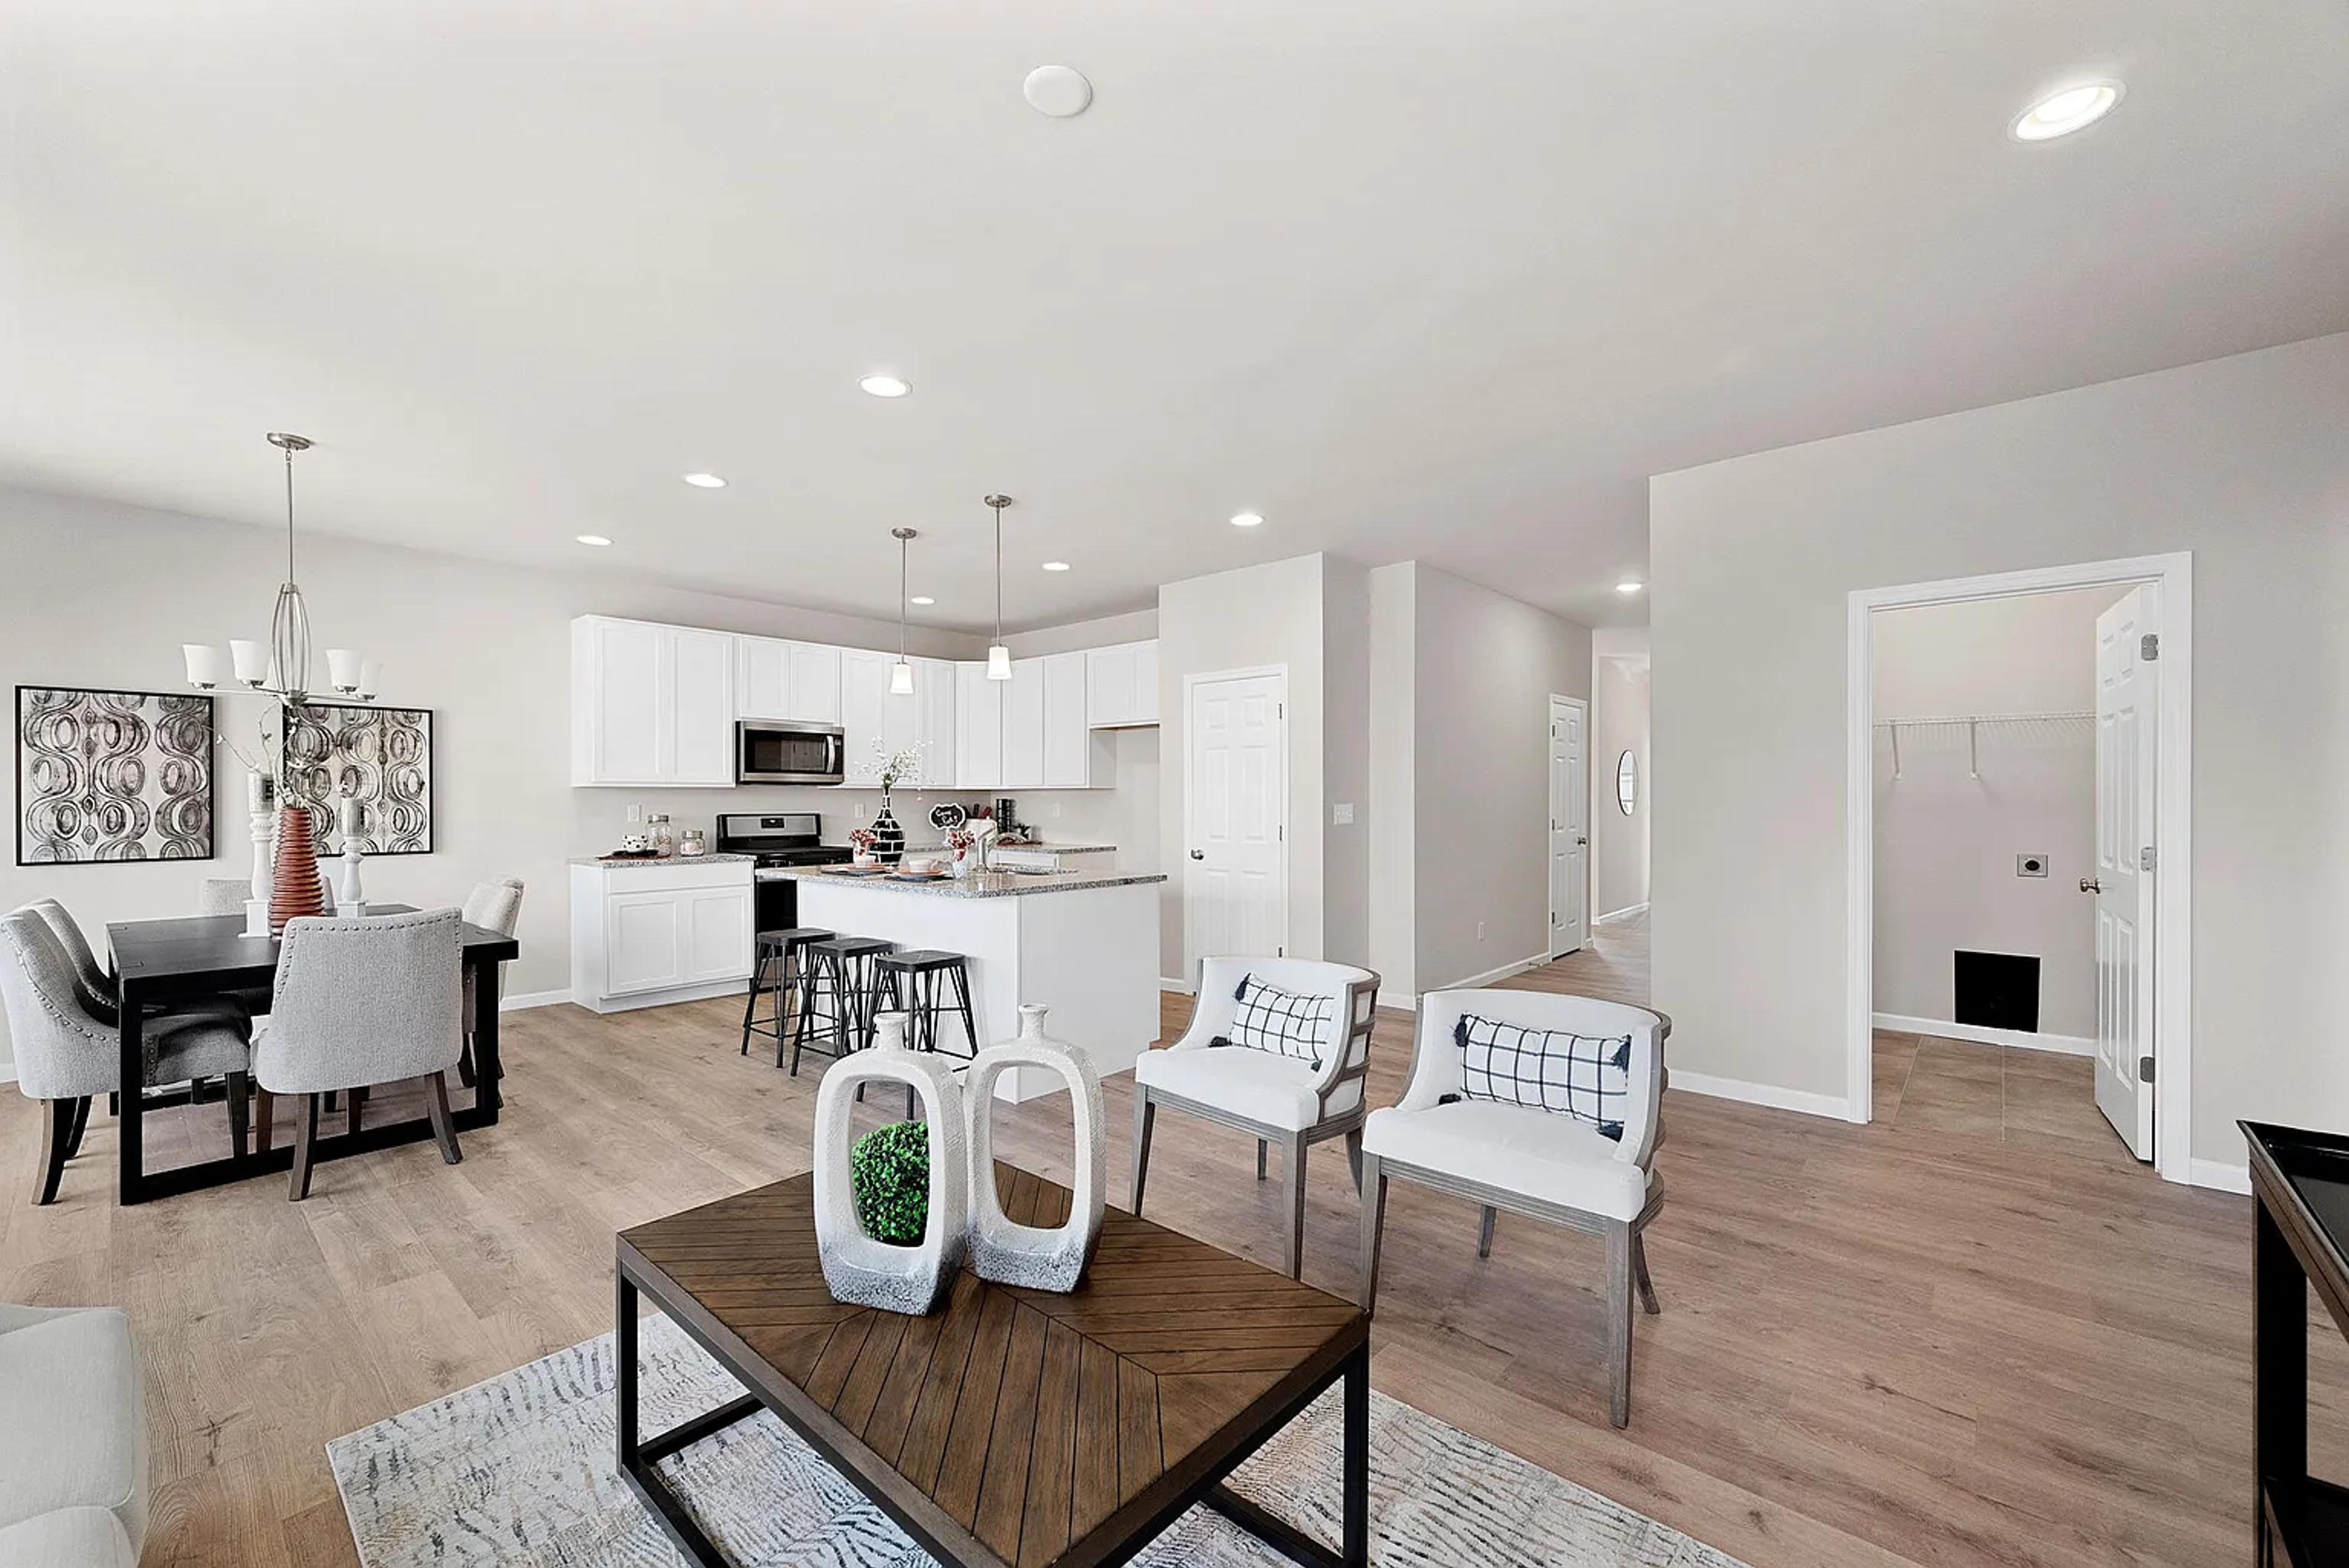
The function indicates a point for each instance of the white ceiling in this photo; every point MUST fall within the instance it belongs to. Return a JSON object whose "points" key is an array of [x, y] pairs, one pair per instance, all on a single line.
{"points": [[1432, 280]]}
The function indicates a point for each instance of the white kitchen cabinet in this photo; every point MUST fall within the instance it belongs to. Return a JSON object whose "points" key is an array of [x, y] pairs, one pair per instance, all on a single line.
{"points": [[979, 728], [650, 704], [1122, 685], [1023, 726], [871, 714], [1069, 745], [775, 678], [935, 695], [644, 934]]}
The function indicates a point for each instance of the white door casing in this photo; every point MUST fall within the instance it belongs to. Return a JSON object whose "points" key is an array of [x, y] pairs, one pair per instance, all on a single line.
{"points": [[2127, 861], [1570, 826], [1236, 809]]}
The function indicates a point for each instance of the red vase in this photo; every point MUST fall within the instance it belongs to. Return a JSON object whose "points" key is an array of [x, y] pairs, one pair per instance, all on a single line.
{"points": [[293, 888]]}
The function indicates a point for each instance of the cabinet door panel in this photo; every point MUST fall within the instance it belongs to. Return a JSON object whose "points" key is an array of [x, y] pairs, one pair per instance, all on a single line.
{"points": [[626, 694], [1023, 726], [716, 932], [863, 712], [1109, 685], [978, 729], [814, 683], [642, 942], [1067, 737], [700, 693], [934, 688], [762, 677], [1146, 683]]}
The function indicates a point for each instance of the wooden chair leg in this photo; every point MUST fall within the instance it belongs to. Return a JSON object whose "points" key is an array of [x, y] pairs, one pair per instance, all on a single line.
{"points": [[1619, 1323], [1292, 1177], [1639, 1274], [1261, 1148], [465, 1061], [80, 1126], [1355, 1158], [1144, 1114], [1374, 1222], [444, 1129], [355, 1099], [56, 1132], [264, 1118], [306, 1135], [1485, 1231], [238, 1115]]}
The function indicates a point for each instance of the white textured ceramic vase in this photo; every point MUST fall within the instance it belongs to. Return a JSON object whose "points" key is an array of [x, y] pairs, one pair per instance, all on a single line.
{"points": [[1002, 1251], [858, 1269]]}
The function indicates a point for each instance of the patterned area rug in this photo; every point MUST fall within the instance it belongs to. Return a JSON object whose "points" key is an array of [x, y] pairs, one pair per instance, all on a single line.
{"points": [[519, 1471]]}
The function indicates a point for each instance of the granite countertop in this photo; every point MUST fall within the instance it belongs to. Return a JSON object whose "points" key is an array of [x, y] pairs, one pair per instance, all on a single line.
{"points": [[977, 885], [1024, 848], [633, 861]]}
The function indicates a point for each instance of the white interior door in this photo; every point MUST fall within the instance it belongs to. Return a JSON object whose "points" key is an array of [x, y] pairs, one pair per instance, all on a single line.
{"points": [[2127, 837], [1569, 827], [1235, 807]]}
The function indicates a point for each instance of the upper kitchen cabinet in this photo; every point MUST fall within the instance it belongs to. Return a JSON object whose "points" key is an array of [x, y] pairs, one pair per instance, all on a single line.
{"points": [[1074, 758], [1122, 686], [650, 704], [875, 720], [979, 728], [1023, 726], [778, 678]]}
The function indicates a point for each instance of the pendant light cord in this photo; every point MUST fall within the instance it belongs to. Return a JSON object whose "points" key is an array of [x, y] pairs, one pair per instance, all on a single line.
{"points": [[999, 569], [901, 546], [289, 515]]}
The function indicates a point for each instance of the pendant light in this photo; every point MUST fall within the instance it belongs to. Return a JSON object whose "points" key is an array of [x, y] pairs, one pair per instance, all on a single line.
{"points": [[281, 667], [901, 674], [999, 656]]}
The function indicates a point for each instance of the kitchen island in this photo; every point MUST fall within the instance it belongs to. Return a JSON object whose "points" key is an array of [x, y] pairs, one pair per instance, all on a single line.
{"points": [[1085, 944]]}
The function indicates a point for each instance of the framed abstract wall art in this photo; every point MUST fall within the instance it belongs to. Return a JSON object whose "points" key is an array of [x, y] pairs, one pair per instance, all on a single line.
{"points": [[380, 757], [112, 775]]}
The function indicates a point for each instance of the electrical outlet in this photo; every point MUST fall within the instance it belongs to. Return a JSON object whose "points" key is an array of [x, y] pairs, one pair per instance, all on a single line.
{"points": [[1056, 811], [2031, 865], [635, 812], [1341, 815], [1480, 930]]}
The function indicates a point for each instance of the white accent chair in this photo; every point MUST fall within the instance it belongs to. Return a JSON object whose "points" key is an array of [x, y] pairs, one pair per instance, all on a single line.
{"points": [[67, 1052], [73, 1439], [362, 1001], [1274, 1098], [494, 906], [1541, 1164]]}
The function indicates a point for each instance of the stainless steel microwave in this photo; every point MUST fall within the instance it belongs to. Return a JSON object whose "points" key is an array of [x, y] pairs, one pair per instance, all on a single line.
{"points": [[782, 751]]}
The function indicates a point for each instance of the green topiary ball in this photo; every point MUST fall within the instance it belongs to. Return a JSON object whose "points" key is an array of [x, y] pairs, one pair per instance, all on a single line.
{"points": [[889, 1172]]}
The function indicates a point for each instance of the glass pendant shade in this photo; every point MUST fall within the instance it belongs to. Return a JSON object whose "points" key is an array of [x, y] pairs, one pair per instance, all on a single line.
{"points": [[370, 678], [998, 663], [252, 659], [343, 669], [901, 679], [205, 667]]}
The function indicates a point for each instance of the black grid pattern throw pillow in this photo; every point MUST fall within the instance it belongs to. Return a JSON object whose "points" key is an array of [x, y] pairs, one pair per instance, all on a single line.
{"points": [[1578, 1076], [1280, 1021]]}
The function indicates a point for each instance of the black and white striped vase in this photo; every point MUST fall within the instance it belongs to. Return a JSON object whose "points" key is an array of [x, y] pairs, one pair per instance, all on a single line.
{"points": [[888, 839]]}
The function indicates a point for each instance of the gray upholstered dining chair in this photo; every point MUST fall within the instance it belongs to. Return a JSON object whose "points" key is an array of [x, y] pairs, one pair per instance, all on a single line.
{"points": [[222, 896], [66, 1052], [494, 906], [358, 1002]]}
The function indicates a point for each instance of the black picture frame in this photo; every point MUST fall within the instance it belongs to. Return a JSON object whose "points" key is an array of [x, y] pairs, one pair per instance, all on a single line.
{"points": [[210, 763], [325, 829]]}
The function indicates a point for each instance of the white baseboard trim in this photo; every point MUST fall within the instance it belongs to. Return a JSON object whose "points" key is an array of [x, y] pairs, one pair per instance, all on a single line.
{"points": [[520, 999], [664, 998], [2220, 1176], [1803, 1100], [1409, 1000], [2062, 1044], [1180, 987], [1625, 913]]}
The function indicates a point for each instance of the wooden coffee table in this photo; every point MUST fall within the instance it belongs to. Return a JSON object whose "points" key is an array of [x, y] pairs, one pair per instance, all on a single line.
{"points": [[1012, 1429]]}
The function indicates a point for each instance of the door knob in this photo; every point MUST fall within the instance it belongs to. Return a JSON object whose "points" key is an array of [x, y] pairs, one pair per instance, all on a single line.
{"points": [[1582, 840], [2090, 885], [1198, 855]]}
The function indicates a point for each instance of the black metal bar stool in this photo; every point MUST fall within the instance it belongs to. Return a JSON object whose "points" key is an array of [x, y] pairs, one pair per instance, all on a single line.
{"points": [[836, 995], [780, 957], [915, 981]]}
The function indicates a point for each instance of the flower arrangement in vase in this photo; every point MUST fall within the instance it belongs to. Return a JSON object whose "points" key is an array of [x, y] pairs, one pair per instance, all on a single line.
{"points": [[962, 841], [860, 843], [904, 766]]}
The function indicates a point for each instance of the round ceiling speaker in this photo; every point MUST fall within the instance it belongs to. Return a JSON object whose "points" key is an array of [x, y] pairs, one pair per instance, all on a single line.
{"points": [[1057, 90]]}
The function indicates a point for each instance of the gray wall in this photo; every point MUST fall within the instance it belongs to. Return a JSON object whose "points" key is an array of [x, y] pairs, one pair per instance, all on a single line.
{"points": [[1946, 841], [1393, 821], [1619, 843], [2242, 461]]}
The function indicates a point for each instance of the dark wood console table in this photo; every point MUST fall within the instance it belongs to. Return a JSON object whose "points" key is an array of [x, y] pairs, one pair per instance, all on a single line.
{"points": [[2302, 1182]]}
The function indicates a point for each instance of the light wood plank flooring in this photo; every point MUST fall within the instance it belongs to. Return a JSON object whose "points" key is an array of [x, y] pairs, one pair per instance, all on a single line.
{"points": [[1898, 1343]]}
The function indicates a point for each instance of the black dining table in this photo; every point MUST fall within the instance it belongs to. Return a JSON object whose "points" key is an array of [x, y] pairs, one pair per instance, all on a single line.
{"points": [[158, 963]]}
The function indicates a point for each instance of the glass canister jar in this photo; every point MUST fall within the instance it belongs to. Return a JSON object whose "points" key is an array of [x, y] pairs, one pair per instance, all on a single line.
{"points": [[664, 838], [693, 841]]}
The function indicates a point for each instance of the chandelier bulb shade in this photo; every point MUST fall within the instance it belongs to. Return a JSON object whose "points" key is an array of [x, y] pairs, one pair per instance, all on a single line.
{"points": [[998, 663], [204, 667]]}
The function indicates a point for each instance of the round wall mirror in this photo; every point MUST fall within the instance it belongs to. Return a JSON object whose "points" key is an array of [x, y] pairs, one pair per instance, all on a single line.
{"points": [[1627, 782]]}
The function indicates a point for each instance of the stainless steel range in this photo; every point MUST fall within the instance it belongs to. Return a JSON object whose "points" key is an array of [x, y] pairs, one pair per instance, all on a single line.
{"points": [[773, 839]]}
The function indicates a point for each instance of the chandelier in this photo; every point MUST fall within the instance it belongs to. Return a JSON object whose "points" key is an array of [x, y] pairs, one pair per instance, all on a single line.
{"points": [[281, 667]]}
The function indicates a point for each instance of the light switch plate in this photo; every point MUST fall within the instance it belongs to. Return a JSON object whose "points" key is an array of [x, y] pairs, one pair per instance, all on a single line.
{"points": [[1341, 815], [2031, 865]]}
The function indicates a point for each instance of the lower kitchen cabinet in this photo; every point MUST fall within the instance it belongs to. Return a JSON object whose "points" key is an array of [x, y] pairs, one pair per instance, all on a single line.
{"points": [[643, 934]]}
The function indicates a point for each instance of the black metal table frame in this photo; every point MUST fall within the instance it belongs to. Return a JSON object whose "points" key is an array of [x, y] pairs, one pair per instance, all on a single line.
{"points": [[138, 995], [945, 1541]]}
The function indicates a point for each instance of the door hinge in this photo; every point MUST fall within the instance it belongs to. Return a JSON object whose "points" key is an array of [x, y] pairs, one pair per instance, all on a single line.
{"points": [[2148, 648], [2146, 860], [2144, 1069]]}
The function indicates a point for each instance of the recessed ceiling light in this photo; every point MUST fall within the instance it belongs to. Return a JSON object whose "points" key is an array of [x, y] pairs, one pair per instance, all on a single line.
{"points": [[595, 539], [704, 481], [1247, 520], [1627, 586], [1056, 566], [886, 386], [2073, 109], [1057, 90], [922, 599]]}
